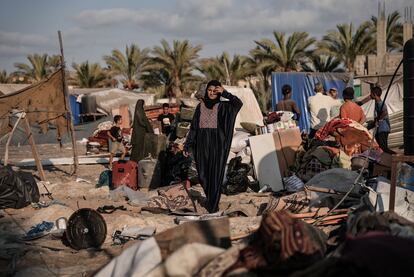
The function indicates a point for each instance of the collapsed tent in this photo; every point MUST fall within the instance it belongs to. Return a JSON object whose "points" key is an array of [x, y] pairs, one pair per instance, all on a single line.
{"points": [[109, 99], [37, 101], [303, 84]]}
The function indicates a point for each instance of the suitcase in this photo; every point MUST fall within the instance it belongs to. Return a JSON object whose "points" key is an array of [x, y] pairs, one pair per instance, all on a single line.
{"points": [[125, 173]]}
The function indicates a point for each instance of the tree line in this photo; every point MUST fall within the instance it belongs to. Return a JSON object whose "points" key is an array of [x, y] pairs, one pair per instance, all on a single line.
{"points": [[176, 69]]}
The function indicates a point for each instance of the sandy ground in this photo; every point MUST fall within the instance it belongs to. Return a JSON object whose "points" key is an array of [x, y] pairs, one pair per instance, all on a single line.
{"points": [[48, 256]]}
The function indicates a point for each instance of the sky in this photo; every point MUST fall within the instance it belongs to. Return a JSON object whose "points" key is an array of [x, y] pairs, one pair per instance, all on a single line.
{"points": [[92, 28]]}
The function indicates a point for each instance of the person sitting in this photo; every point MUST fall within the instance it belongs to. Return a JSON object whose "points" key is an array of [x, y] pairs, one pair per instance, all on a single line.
{"points": [[350, 109], [116, 137], [166, 119], [288, 104]]}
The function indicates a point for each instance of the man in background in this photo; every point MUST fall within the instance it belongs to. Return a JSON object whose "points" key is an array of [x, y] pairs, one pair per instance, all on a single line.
{"points": [[349, 109], [320, 109], [335, 109], [382, 120], [288, 104]]}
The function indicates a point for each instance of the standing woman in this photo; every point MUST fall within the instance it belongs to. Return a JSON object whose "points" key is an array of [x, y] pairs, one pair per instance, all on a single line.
{"points": [[210, 139], [140, 127]]}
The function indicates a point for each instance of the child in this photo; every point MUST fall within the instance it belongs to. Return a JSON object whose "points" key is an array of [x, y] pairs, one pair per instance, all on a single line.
{"points": [[116, 136]]}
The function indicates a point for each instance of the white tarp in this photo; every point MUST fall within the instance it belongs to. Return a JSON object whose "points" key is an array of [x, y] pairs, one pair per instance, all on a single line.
{"points": [[250, 112], [109, 99], [394, 105], [394, 100]]}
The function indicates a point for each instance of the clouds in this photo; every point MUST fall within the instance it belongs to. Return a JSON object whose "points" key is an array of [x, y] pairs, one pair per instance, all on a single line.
{"points": [[16, 44], [93, 28]]}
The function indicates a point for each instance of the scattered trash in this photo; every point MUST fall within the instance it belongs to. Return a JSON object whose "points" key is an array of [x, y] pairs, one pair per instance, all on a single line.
{"points": [[136, 197], [110, 209], [265, 188], [105, 179], [80, 180], [132, 233], [293, 183], [38, 231]]}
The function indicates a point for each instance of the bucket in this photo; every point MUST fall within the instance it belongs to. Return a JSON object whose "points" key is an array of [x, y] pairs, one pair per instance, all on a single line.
{"points": [[187, 114], [182, 129]]}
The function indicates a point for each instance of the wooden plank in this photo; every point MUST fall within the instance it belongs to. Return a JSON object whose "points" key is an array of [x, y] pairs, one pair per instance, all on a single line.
{"points": [[66, 161], [34, 150], [265, 161]]}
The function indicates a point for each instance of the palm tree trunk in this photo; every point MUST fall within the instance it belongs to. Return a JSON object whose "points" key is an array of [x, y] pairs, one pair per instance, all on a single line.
{"points": [[176, 89], [228, 81]]}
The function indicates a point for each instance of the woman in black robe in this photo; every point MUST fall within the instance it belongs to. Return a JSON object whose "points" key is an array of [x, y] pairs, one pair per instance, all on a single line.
{"points": [[210, 139], [140, 127]]}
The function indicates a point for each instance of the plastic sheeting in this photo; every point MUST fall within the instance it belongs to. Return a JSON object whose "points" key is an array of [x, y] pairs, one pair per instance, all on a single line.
{"points": [[17, 189], [394, 101], [250, 112], [394, 105], [303, 84]]}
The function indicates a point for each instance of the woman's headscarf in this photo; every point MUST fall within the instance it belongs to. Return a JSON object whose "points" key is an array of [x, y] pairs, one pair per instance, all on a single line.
{"points": [[208, 102]]}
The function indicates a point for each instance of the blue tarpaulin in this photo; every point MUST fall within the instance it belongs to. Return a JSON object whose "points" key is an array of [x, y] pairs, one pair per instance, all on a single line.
{"points": [[303, 84]]}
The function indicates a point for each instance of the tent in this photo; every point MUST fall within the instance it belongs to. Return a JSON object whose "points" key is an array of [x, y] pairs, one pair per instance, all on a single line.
{"points": [[250, 112], [302, 84]]}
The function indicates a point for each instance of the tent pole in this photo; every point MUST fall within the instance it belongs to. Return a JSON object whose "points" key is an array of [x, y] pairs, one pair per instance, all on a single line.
{"points": [[67, 107], [6, 154], [34, 150]]}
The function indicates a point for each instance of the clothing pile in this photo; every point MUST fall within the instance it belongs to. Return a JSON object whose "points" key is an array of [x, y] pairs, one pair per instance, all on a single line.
{"points": [[351, 135]]}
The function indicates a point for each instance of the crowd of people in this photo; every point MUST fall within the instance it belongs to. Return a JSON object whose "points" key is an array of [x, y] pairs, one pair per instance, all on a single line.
{"points": [[324, 106]]}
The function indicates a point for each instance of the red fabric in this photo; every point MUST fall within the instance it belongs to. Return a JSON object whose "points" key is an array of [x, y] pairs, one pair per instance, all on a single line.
{"points": [[331, 127], [353, 137]]}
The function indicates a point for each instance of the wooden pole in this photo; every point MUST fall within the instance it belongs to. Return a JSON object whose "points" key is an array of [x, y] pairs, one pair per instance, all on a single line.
{"points": [[34, 150], [6, 154], [67, 107]]}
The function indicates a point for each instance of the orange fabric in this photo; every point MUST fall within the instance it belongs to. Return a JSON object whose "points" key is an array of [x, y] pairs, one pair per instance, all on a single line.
{"points": [[352, 111]]}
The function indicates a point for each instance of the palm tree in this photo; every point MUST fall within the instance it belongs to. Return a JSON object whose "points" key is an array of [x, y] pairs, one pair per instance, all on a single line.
{"points": [[321, 63], [345, 44], [260, 73], [224, 69], [394, 31], [89, 75], [4, 77], [176, 64], [54, 62], [129, 66], [284, 54], [39, 67]]}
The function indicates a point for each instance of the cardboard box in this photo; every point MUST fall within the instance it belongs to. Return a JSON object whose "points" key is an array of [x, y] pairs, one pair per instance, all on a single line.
{"points": [[287, 142]]}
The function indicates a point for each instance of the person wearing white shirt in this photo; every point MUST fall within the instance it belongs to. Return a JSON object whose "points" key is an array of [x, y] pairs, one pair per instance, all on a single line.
{"points": [[320, 109]]}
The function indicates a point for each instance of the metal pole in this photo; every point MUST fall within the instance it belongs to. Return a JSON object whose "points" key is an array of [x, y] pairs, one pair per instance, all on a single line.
{"points": [[67, 107]]}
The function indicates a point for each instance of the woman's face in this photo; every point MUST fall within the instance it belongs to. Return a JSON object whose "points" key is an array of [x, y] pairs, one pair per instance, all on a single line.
{"points": [[212, 93]]}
